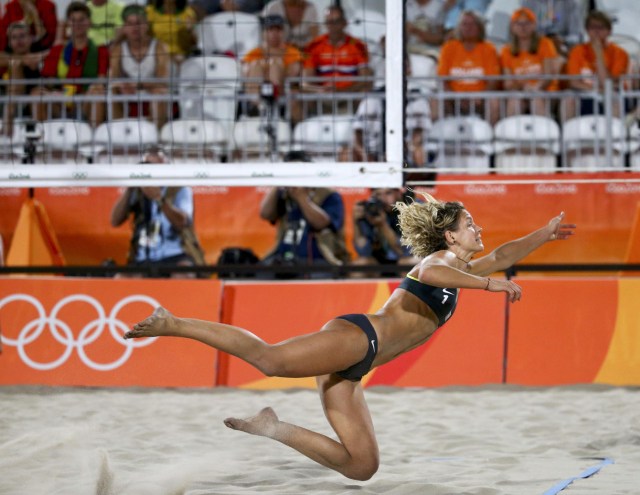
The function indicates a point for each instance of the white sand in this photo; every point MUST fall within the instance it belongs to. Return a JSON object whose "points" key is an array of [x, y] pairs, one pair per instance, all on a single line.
{"points": [[494, 440]]}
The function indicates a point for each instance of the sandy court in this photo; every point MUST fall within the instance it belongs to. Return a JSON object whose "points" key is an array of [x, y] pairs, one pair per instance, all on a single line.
{"points": [[492, 440]]}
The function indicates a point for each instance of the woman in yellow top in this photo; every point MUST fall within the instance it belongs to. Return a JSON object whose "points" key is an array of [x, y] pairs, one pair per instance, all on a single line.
{"points": [[528, 54], [274, 61], [172, 22]]}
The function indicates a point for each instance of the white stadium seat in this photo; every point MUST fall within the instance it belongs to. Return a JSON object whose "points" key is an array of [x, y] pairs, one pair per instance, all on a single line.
{"points": [[194, 140], [124, 140], [461, 142], [583, 140], [529, 142], [229, 32], [322, 137], [256, 139]]}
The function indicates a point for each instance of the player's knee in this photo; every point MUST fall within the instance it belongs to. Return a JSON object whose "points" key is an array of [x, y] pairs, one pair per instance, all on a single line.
{"points": [[364, 470]]}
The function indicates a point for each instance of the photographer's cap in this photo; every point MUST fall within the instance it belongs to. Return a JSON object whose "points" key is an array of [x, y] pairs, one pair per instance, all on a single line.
{"points": [[273, 20]]}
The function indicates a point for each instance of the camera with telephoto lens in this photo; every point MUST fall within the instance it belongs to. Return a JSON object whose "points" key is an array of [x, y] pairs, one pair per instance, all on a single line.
{"points": [[32, 135], [268, 91], [373, 207]]}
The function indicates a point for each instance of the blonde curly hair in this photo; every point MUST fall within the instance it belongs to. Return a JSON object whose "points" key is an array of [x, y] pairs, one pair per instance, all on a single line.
{"points": [[423, 225]]}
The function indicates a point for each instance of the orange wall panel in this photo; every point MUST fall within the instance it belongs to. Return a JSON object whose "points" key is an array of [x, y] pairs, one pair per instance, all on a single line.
{"points": [[560, 332], [69, 332]]}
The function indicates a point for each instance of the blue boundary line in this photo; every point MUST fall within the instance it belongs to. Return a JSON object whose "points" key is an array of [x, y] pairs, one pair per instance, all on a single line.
{"points": [[590, 471]]}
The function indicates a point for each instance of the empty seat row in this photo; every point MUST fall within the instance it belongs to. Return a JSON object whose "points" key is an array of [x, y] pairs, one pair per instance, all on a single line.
{"points": [[528, 143], [516, 144], [125, 140]]}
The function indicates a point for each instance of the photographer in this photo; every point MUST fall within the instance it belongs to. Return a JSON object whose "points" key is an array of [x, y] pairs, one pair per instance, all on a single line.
{"points": [[162, 224], [376, 234], [310, 225]]}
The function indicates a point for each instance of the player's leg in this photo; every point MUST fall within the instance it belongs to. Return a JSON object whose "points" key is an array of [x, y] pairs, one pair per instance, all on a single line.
{"points": [[338, 346], [355, 454]]}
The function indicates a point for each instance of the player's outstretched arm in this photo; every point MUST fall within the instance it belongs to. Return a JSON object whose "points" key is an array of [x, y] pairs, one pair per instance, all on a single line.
{"points": [[511, 252]]}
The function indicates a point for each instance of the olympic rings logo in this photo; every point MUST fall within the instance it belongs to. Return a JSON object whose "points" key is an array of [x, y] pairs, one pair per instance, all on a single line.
{"points": [[62, 333]]}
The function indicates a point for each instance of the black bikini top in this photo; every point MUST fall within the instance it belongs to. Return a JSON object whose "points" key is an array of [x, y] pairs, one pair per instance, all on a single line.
{"points": [[441, 301]]}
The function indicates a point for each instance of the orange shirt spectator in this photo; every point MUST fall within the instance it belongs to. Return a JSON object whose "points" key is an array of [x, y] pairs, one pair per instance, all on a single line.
{"points": [[469, 58], [456, 60], [528, 54], [598, 60], [39, 15], [582, 60], [274, 61], [291, 55], [525, 63], [337, 62], [336, 56]]}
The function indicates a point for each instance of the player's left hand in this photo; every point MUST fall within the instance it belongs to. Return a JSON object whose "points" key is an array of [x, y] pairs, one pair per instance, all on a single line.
{"points": [[560, 231]]}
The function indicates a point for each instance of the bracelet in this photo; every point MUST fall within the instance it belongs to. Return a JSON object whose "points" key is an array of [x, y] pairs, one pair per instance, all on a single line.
{"points": [[488, 282]]}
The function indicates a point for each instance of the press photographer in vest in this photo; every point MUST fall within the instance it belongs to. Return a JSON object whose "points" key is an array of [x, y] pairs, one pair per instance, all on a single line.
{"points": [[162, 225], [309, 222], [376, 233]]}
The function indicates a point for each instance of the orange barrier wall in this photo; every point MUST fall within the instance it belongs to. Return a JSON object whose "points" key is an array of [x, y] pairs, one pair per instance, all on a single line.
{"points": [[575, 331], [69, 332], [229, 216], [62, 331], [81, 219], [603, 212]]}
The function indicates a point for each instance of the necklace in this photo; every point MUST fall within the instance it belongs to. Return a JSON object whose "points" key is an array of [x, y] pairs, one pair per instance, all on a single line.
{"points": [[465, 262]]}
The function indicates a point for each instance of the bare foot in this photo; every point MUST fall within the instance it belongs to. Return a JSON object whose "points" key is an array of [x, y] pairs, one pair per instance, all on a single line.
{"points": [[264, 423], [160, 323]]}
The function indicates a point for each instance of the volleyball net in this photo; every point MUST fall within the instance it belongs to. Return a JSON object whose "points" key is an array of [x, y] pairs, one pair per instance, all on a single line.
{"points": [[405, 128]]}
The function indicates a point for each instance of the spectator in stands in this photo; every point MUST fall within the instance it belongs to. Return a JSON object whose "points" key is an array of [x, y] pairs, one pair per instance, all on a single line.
{"points": [[310, 223], [137, 57], [376, 233], [80, 57], [528, 54], [336, 57], [425, 25], [173, 22], [203, 8], [560, 20], [106, 21], [466, 57], [39, 15], [274, 61], [18, 62], [455, 11], [302, 20], [160, 215], [369, 125], [597, 58]]}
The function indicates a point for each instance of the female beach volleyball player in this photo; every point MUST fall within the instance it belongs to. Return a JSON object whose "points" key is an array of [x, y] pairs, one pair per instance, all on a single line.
{"points": [[445, 236]]}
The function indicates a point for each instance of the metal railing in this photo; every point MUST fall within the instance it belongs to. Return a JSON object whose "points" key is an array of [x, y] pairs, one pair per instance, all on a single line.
{"points": [[609, 141]]}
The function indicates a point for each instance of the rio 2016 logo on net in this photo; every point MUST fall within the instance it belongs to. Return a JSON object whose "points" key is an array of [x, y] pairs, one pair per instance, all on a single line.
{"points": [[63, 334]]}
